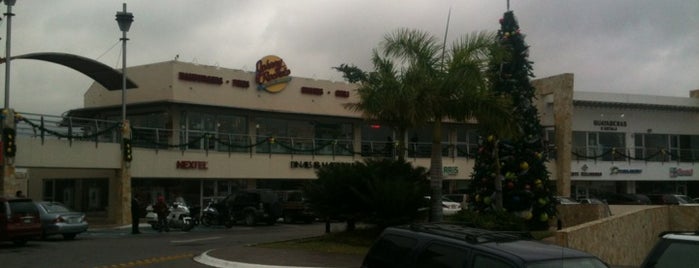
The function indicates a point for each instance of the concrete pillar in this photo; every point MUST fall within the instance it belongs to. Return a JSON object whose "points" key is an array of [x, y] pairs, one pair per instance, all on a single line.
{"points": [[121, 187], [561, 88]]}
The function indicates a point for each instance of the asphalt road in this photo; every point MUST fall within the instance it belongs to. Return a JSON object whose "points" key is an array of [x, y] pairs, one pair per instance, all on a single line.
{"points": [[118, 248]]}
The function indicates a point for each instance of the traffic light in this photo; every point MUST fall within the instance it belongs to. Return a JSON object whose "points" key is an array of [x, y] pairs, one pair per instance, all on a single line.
{"points": [[9, 146], [127, 150]]}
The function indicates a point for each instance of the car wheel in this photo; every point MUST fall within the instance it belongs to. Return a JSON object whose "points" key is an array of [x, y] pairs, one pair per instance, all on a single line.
{"points": [[206, 220], [250, 219], [69, 236]]}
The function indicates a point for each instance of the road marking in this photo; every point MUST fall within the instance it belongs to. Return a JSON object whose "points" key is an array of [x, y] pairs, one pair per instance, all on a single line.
{"points": [[148, 261], [196, 240]]}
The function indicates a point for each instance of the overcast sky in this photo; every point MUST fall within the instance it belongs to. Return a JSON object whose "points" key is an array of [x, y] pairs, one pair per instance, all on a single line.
{"points": [[624, 46]]}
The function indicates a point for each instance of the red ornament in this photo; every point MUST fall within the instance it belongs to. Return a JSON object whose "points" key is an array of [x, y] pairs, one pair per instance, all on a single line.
{"points": [[501, 20]]}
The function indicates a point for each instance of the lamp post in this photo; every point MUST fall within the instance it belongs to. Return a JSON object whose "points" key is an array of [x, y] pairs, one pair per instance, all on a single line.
{"points": [[124, 20], [9, 15]]}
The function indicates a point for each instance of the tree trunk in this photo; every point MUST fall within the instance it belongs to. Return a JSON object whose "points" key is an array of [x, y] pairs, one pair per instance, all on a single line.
{"points": [[436, 173]]}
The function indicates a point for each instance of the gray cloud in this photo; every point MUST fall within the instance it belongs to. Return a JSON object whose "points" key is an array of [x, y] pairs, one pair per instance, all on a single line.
{"points": [[626, 46]]}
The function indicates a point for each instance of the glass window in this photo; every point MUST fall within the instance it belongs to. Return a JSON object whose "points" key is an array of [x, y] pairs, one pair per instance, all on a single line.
{"points": [[466, 141], [444, 256], [606, 146], [679, 254], [232, 133], [488, 261], [390, 251], [377, 140]]}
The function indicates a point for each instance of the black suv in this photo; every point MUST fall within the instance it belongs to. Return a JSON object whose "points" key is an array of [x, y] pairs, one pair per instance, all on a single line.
{"points": [[253, 206], [675, 249], [446, 245]]}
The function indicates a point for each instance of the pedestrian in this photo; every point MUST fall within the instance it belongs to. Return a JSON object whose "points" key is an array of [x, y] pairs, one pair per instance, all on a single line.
{"points": [[162, 210], [135, 214]]}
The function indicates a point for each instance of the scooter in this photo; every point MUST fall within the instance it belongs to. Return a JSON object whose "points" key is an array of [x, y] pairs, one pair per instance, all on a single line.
{"points": [[179, 217], [215, 214]]}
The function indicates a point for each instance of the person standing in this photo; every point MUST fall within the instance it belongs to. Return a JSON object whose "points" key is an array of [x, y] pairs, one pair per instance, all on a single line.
{"points": [[162, 210], [135, 214]]}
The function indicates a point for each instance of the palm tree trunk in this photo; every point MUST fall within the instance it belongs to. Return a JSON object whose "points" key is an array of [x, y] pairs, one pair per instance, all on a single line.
{"points": [[436, 173]]}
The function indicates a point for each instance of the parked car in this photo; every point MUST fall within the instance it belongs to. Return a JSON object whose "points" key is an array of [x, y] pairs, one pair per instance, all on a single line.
{"points": [[446, 245], [253, 206], [19, 220], [449, 207], [295, 208], [562, 200], [459, 198], [592, 200], [57, 219], [674, 250], [626, 199], [672, 199]]}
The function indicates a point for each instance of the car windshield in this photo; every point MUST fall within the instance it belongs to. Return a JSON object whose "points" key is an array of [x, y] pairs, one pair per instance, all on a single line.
{"points": [[577, 262], [54, 208]]}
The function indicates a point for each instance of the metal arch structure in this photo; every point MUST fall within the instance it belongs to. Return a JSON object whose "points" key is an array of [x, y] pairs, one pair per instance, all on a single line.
{"points": [[106, 76]]}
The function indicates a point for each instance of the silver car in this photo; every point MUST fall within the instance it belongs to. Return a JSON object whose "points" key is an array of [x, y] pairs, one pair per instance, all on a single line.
{"points": [[56, 219]]}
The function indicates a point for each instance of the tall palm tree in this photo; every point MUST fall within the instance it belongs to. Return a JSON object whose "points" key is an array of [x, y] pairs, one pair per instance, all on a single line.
{"points": [[384, 97], [448, 87]]}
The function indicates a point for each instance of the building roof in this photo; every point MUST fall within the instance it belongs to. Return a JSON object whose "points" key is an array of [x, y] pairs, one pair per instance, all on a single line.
{"points": [[108, 77]]}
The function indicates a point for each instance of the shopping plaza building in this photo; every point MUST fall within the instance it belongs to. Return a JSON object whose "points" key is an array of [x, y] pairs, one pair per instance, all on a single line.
{"points": [[200, 132]]}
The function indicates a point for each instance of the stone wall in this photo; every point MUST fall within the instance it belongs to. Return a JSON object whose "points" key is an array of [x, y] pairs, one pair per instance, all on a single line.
{"points": [[625, 239]]}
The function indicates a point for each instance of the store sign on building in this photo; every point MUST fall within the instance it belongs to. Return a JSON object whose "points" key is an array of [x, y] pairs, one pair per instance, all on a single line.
{"points": [[310, 164], [616, 170], [585, 172], [609, 125], [681, 172], [271, 74], [191, 165], [450, 171]]}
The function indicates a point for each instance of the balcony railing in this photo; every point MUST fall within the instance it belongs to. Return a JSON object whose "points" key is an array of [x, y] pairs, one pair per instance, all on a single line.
{"points": [[105, 131]]}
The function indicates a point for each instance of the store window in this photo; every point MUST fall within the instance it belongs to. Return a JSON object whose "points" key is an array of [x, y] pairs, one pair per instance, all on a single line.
{"points": [[303, 137], [151, 130], [229, 132], [605, 146], [466, 141], [664, 147], [377, 140]]}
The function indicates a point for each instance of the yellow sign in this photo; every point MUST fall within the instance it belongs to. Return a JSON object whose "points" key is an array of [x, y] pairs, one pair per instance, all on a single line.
{"points": [[272, 74]]}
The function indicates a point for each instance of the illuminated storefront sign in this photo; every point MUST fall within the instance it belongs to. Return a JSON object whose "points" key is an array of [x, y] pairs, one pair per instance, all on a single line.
{"points": [[271, 74]]}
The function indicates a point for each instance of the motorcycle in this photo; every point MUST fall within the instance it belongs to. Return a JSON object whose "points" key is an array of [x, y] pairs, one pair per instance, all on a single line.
{"points": [[178, 217], [215, 214]]}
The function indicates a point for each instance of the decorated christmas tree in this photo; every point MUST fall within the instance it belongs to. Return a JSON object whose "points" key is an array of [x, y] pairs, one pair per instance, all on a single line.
{"points": [[515, 165]]}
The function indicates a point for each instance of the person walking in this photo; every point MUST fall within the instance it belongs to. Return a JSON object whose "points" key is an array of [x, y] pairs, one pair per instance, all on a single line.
{"points": [[135, 214]]}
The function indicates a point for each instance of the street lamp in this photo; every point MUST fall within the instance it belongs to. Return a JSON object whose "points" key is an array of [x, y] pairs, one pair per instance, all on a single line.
{"points": [[9, 15], [124, 19]]}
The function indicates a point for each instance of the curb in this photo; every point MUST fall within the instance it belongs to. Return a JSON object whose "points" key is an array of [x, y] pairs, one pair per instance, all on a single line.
{"points": [[206, 259]]}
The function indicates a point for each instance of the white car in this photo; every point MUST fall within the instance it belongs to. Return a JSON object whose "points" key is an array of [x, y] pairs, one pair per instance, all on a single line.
{"points": [[449, 207]]}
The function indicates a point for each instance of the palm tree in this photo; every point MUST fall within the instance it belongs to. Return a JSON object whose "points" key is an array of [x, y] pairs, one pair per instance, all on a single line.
{"points": [[452, 87], [384, 97]]}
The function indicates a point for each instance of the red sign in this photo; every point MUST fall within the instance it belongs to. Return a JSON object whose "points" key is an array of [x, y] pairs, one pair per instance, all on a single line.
{"points": [[191, 165]]}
